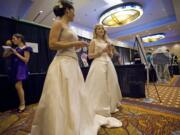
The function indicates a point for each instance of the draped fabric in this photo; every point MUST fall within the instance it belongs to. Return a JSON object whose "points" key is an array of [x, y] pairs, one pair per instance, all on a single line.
{"points": [[124, 54]]}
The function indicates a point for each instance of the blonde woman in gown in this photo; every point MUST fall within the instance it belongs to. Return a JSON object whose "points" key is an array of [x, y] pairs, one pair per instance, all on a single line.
{"points": [[102, 84], [62, 109]]}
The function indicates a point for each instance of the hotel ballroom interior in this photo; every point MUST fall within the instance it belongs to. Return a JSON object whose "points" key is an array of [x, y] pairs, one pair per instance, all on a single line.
{"points": [[143, 38]]}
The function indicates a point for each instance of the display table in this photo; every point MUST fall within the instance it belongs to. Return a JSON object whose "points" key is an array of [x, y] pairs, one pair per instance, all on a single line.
{"points": [[131, 79]]}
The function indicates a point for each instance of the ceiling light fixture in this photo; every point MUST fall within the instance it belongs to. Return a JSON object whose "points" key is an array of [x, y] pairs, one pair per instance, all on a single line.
{"points": [[37, 15], [153, 38], [121, 14]]}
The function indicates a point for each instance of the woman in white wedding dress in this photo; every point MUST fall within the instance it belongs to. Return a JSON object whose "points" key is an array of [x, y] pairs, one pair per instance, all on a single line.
{"points": [[62, 109], [102, 84]]}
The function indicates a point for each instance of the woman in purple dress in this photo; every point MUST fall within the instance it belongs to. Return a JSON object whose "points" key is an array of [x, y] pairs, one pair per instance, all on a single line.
{"points": [[19, 69]]}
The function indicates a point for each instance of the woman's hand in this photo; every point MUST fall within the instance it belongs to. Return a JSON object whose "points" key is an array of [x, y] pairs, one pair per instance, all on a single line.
{"points": [[81, 44], [14, 51], [107, 49], [109, 46]]}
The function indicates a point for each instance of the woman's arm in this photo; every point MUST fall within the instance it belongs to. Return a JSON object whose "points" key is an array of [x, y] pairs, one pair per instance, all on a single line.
{"points": [[91, 50], [119, 60], [54, 42], [109, 50], [24, 58]]}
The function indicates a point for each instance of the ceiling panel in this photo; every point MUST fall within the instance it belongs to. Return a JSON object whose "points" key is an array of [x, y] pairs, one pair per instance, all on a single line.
{"points": [[159, 16]]}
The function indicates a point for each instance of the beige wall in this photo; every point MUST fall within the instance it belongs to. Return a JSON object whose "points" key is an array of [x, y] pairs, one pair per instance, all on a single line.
{"points": [[173, 48]]}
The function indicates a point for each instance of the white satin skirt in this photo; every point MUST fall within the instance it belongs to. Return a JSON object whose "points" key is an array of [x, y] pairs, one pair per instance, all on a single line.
{"points": [[103, 90]]}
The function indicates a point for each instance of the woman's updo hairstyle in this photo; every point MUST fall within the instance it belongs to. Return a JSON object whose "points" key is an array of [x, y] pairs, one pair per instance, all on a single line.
{"points": [[60, 8]]}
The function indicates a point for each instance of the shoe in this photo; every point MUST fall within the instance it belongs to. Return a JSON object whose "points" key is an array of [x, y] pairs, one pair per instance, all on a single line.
{"points": [[21, 108]]}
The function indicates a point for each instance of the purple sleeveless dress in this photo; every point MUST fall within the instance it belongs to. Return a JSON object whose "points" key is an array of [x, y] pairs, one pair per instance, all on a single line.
{"points": [[19, 70]]}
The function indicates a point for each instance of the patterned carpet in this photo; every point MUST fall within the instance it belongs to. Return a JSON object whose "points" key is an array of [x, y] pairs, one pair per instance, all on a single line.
{"points": [[169, 96], [140, 121], [12, 123], [138, 117], [173, 82], [177, 81], [136, 120]]}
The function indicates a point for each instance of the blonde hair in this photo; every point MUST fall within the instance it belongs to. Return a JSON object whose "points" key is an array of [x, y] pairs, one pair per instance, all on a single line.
{"points": [[105, 37]]}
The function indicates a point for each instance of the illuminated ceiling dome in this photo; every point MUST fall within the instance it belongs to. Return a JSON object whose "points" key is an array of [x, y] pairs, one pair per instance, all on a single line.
{"points": [[153, 38], [121, 14]]}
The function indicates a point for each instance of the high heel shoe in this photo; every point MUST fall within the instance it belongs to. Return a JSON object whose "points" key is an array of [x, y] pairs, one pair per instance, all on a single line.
{"points": [[21, 108]]}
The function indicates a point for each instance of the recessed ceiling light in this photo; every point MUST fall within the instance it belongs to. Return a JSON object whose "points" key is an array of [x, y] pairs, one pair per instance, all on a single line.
{"points": [[153, 38], [121, 14], [40, 11], [113, 2]]}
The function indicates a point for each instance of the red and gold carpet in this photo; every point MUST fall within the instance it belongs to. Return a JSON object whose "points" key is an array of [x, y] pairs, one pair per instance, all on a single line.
{"points": [[137, 120], [173, 82], [169, 96], [138, 117], [176, 83], [141, 121]]}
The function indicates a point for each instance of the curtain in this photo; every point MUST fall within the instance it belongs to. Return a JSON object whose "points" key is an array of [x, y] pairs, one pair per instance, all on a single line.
{"points": [[124, 54]]}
